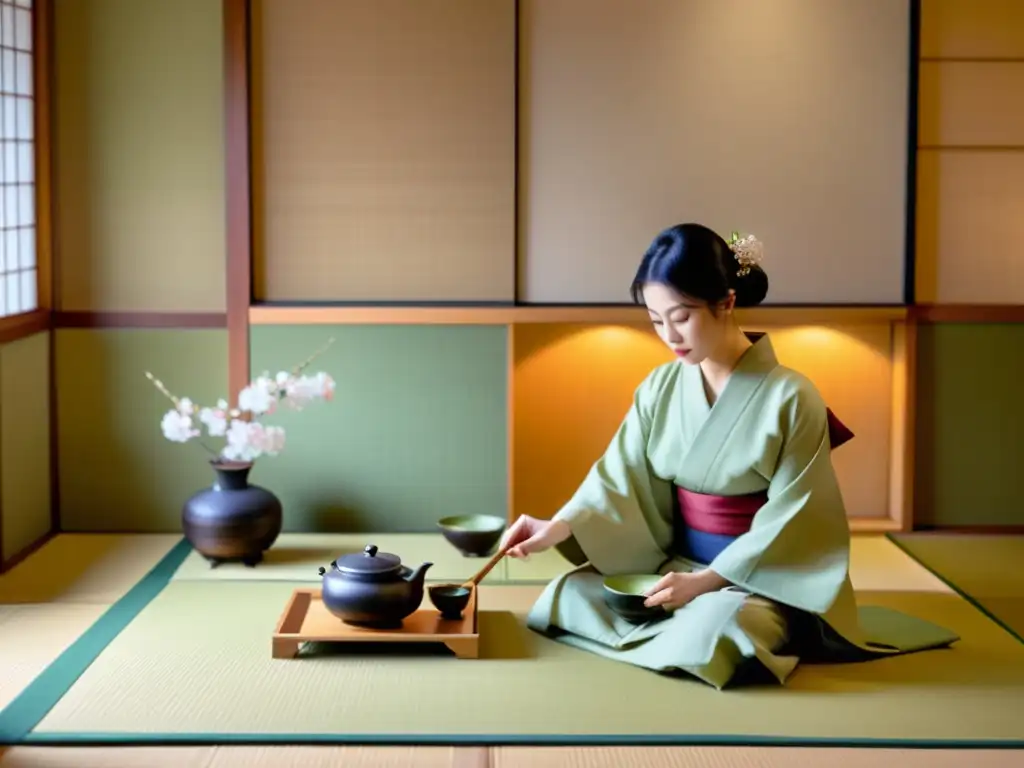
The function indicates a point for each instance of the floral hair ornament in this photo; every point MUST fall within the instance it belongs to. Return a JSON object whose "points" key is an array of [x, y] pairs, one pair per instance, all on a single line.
{"points": [[749, 252]]}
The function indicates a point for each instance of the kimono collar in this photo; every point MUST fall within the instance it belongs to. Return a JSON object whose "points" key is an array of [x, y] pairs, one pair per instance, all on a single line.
{"points": [[748, 373], [760, 358]]}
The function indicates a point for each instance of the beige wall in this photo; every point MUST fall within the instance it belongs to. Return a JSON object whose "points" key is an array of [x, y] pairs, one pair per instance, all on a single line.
{"points": [[787, 119], [392, 176], [970, 211], [139, 155], [140, 228], [387, 137]]}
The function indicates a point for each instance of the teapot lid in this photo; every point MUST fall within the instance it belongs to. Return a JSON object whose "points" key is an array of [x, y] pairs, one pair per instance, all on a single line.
{"points": [[369, 561]]}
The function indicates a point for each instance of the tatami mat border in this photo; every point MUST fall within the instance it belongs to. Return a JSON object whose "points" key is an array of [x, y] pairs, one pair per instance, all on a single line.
{"points": [[501, 740], [22, 715], [894, 538], [42, 694]]}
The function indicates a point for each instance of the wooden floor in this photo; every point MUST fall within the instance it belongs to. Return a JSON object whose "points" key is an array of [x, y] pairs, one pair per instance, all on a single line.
{"points": [[41, 616]]}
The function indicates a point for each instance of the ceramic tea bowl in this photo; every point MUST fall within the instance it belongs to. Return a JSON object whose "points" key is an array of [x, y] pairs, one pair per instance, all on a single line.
{"points": [[450, 599], [624, 594], [472, 535]]}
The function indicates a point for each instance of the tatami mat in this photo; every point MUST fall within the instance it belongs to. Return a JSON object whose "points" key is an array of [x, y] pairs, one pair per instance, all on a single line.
{"points": [[297, 556], [100, 569], [84, 568], [987, 568], [32, 636], [180, 666]]}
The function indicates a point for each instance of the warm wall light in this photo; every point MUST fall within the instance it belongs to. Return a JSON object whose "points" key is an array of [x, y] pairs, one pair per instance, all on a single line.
{"points": [[815, 335], [574, 383], [587, 344], [617, 334], [840, 344], [618, 340], [572, 386]]}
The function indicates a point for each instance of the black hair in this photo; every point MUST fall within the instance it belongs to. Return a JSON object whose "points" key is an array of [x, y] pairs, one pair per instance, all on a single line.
{"points": [[697, 262]]}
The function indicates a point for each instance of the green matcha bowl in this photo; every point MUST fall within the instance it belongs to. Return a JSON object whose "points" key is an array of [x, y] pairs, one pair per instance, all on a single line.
{"points": [[624, 594], [473, 535]]}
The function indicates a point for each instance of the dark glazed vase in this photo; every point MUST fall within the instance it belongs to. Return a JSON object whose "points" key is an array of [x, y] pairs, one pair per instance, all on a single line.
{"points": [[232, 520]]}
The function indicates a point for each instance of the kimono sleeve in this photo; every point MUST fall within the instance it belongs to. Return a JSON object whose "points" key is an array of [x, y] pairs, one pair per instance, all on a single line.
{"points": [[797, 551], [617, 515]]}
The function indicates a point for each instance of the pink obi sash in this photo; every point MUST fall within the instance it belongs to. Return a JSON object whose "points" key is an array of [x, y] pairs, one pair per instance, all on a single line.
{"points": [[722, 515]]}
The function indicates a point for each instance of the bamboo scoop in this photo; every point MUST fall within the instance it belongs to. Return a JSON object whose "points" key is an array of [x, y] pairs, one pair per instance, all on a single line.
{"points": [[495, 559], [451, 599]]}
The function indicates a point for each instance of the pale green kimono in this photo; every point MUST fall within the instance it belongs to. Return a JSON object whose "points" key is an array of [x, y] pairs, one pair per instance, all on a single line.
{"points": [[767, 431]]}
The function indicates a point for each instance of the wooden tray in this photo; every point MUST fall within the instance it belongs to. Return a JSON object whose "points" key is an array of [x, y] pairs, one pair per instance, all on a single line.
{"points": [[306, 619]]}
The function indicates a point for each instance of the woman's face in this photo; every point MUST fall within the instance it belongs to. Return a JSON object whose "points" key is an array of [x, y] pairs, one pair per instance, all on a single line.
{"points": [[686, 326]]}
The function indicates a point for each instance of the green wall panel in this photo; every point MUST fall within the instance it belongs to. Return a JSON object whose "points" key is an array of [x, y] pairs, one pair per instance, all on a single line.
{"points": [[24, 442], [117, 471], [417, 429], [970, 451]]}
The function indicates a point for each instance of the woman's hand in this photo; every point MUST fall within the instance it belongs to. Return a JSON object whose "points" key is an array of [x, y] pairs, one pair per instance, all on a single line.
{"points": [[528, 535], [674, 590]]}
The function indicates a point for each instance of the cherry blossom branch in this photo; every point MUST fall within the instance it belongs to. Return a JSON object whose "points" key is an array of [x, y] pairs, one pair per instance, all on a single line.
{"points": [[309, 360], [245, 438], [181, 406]]}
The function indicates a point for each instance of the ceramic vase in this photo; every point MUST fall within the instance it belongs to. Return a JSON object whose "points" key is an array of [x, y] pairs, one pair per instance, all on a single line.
{"points": [[233, 520]]}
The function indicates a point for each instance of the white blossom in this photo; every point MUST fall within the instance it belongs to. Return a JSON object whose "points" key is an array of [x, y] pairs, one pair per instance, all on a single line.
{"points": [[177, 427], [749, 252], [245, 438]]}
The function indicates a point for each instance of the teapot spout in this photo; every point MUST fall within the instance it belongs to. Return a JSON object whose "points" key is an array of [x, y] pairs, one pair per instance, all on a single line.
{"points": [[418, 576]]}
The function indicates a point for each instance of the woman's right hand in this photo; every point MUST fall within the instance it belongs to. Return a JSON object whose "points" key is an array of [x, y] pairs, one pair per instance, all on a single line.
{"points": [[528, 535]]}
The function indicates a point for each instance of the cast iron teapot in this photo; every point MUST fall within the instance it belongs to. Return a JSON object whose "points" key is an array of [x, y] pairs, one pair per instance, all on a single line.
{"points": [[372, 589]]}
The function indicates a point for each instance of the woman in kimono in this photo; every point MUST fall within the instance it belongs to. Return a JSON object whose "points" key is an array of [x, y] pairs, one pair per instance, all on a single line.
{"points": [[720, 480]]}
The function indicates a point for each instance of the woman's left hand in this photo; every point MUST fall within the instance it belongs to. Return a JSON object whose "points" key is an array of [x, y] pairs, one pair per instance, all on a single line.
{"points": [[674, 590]]}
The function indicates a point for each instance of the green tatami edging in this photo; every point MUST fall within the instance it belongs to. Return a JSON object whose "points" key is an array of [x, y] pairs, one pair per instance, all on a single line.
{"points": [[499, 740], [983, 569], [145, 621], [30, 706]]}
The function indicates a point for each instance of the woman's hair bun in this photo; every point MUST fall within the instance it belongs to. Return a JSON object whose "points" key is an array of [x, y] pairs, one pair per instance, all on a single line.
{"points": [[751, 288]]}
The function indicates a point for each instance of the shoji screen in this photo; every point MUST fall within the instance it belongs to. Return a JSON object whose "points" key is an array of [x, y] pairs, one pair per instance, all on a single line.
{"points": [[785, 118], [385, 145], [970, 213]]}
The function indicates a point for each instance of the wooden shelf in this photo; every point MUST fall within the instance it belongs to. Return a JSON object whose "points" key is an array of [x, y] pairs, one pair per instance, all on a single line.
{"points": [[969, 313], [483, 315], [15, 327], [864, 525], [622, 314]]}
